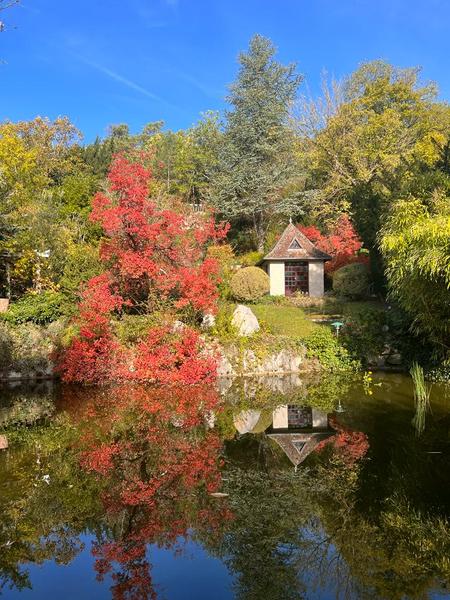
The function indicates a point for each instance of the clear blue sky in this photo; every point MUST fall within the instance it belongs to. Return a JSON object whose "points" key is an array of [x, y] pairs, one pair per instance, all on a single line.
{"points": [[108, 61]]}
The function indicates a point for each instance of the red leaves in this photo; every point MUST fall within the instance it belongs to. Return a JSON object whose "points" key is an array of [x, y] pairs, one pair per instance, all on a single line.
{"points": [[173, 357], [343, 244], [350, 445], [152, 257], [159, 462]]}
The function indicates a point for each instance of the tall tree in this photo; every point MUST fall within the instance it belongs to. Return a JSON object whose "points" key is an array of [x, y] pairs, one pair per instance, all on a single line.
{"points": [[383, 131], [257, 159]]}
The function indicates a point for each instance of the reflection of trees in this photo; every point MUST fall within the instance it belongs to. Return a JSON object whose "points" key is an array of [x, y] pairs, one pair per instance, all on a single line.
{"points": [[45, 503], [150, 461], [277, 543], [149, 464], [160, 463], [294, 531]]}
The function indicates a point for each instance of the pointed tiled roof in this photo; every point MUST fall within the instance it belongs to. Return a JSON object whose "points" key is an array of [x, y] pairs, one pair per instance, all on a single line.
{"points": [[294, 245], [297, 446]]}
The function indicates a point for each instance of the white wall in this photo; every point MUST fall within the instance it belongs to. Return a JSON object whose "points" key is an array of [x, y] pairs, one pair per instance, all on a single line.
{"points": [[316, 278], [275, 270], [280, 417], [319, 418]]}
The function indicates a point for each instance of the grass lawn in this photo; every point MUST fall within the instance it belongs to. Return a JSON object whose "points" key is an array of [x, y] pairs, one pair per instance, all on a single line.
{"points": [[284, 320], [334, 308]]}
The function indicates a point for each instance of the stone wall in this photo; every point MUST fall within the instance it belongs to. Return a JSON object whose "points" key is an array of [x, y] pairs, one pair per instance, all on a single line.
{"points": [[235, 361]]}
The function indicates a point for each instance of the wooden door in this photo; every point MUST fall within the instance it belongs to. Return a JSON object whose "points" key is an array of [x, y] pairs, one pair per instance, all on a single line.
{"points": [[296, 277]]}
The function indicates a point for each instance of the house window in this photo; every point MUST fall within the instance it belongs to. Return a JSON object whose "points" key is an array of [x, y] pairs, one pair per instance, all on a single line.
{"points": [[296, 277], [300, 417]]}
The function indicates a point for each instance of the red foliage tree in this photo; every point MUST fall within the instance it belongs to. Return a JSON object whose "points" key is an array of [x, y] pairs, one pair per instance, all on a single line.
{"points": [[342, 244], [153, 259]]}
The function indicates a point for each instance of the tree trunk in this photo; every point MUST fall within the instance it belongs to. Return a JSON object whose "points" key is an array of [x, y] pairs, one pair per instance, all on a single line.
{"points": [[260, 232]]}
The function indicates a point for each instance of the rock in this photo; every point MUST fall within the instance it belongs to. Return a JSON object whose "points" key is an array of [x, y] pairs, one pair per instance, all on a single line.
{"points": [[246, 420], [394, 360], [3, 442], [178, 326], [208, 321], [224, 367], [244, 320]]}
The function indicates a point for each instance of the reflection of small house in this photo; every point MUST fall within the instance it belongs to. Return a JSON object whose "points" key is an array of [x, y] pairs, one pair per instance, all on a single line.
{"points": [[298, 430], [295, 265]]}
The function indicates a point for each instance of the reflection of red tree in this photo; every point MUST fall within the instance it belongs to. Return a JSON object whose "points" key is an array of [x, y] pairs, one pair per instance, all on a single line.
{"points": [[350, 445], [159, 463]]}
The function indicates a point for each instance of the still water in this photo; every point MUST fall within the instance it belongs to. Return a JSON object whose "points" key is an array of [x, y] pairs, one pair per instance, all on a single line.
{"points": [[260, 489]]}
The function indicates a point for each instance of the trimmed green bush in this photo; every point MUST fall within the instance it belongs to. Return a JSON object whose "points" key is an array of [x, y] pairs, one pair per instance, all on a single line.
{"points": [[249, 284], [351, 281]]}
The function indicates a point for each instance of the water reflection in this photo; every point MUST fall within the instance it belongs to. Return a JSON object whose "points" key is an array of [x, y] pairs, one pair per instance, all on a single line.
{"points": [[363, 513]]}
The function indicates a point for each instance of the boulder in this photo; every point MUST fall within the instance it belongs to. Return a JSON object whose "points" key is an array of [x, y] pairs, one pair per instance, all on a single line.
{"points": [[244, 320], [3, 442], [178, 326], [208, 321], [394, 360]]}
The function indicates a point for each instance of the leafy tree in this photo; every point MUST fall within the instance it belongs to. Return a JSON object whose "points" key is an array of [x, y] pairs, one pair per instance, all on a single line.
{"points": [[37, 157], [256, 159], [153, 259], [368, 150], [416, 244]]}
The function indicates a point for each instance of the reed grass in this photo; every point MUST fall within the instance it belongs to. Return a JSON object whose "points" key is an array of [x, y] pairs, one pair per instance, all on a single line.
{"points": [[422, 391]]}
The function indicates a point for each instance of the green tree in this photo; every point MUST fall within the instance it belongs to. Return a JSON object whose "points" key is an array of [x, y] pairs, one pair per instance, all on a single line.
{"points": [[382, 133], [256, 160], [415, 242]]}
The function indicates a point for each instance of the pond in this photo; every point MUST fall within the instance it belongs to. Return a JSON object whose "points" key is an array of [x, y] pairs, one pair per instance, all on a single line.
{"points": [[272, 489]]}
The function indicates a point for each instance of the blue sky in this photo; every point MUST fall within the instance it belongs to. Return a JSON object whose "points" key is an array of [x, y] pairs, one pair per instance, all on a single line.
{"points": [[111, 61]]}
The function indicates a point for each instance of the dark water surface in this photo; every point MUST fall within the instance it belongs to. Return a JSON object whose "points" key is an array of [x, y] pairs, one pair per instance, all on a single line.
{"points": [[261, 489]]}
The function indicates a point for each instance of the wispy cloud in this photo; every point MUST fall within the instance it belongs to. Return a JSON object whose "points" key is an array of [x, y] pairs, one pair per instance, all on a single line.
{"points": [[120, 78]]}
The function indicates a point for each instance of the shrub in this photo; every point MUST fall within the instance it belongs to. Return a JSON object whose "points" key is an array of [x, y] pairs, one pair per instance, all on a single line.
{"points": [[250, 259], [351, 281], [225, 258], [249, 284], [6, 346], [36, 308], [25, 347], [322, 344], [364, 333], [223, 327]]}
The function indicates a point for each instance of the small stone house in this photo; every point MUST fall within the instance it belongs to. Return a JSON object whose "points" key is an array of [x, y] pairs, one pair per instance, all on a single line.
{"points": [[295, 265]]}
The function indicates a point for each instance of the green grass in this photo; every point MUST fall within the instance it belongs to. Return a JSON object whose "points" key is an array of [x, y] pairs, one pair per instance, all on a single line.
{"points": [[284, 320], [334, 308]]}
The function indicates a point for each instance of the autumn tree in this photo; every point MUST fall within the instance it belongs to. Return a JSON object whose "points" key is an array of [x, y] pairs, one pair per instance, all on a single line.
{"points": [[341, 243], [256, 160], [382, 131], [154, 260]]}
